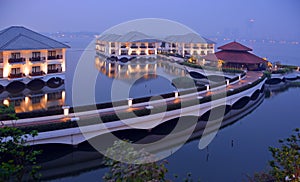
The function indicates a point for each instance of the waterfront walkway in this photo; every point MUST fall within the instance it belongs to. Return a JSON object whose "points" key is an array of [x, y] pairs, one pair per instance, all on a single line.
{"points": [[249, 78]]}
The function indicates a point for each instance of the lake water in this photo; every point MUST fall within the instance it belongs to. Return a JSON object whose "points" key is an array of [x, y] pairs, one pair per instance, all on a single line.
{"points": [[239, 149]]}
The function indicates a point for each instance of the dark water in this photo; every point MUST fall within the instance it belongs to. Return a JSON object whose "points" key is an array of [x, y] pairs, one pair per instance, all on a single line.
{"points": [[238, 150]]}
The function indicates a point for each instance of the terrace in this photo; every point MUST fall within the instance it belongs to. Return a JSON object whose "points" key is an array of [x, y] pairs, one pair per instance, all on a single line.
{"points": [[16, 75], [37, 59], [55, 57], [16, 60]]}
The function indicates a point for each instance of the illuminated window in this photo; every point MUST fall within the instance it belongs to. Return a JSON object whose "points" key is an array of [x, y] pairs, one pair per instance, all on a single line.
{"points": [[36, 54], [36, 69], [15, 55], [15, 70]]}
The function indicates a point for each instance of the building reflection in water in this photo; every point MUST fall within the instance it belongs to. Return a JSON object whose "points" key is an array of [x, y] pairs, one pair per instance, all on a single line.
{"points": [[29, 101], [137, 68]]}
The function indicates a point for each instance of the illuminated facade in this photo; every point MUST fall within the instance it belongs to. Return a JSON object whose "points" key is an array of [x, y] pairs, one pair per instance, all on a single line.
{"points": [[132, 44], [26, 55], [137, 44], [188, 45]]}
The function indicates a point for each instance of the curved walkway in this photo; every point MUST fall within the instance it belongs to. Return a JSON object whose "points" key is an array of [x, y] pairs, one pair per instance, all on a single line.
{"points": [[249, 78]]}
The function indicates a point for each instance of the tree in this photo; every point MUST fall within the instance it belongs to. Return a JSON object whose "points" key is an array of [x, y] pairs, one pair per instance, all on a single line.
{"points": [[127, 171], [16, 157], [286, 163]]}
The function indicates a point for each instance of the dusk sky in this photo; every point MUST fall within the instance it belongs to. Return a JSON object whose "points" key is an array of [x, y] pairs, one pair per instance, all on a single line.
{"points": [[276, 19]]}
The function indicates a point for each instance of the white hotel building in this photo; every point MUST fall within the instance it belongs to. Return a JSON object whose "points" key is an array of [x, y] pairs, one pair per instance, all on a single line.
{"points": [[137, 44], [26, 55]]}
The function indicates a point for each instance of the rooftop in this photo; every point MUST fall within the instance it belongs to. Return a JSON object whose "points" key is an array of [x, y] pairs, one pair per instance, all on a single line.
{"points": [[234, 46], [239, 57], [135, 36], [21, 38]]}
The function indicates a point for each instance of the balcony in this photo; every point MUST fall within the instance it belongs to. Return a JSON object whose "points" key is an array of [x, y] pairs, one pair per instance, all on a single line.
{"points": [[55, 57], [37, 73], [123, 47], [195, 47], [57, 70], [1, 60], [124, 53], [151, 46], [210, 47], [143, 46], [16, 75], [16, 60], [134, 47], [37, 59], [203, 47]]}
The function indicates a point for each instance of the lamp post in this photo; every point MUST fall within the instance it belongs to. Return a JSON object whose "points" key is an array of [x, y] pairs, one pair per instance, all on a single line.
{"points": [[129, 102], [176, 94], [207, 87], [66, 110]]}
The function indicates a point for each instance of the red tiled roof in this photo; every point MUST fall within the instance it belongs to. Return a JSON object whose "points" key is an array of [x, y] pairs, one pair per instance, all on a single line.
{"points": [[239, 57], [234, 46]]}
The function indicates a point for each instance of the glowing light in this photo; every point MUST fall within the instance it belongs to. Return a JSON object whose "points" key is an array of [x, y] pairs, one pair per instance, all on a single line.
{"points": [[176, 94], [66, 110], [207, 87], [26, 100], [26, 71], [240, 77], [129, 102], [227, 82], [6, 102]]}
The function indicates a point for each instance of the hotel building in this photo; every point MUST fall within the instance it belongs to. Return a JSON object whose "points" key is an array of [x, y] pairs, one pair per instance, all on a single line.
{"points": [[137, 44], [26, 55]]}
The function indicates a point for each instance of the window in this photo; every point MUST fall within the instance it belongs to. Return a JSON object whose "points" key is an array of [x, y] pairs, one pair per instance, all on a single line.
{"points": [[123, 45], [36, 54], [54, 96], [35, 69], [51, 53], [112, 44], [36, 100], [124, 52], [1, 72], [151, 52], [15, 71], [15, 55], [51, 67], [187, 46]]}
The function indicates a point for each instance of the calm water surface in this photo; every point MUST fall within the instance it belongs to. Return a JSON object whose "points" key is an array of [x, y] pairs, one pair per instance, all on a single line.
{"points": [[238, 149]]}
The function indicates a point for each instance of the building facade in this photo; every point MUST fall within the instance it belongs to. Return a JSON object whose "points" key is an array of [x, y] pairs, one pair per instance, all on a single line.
{"points": [[188, 45], [26, 55], [137, 44]]}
